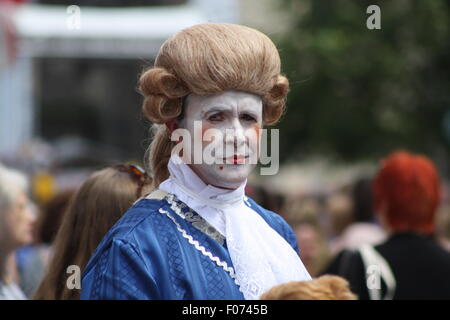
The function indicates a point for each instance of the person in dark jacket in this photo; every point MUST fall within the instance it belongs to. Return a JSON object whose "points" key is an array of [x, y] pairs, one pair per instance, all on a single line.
{"points": [[410, 264]]}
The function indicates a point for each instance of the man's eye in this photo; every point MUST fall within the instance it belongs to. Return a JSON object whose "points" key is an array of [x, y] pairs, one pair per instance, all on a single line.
{"points": [[215, 117], [247, 117]]}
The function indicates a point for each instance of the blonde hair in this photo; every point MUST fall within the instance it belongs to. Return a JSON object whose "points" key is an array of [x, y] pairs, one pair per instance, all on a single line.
{"points": [[208, 59], [326, 287]]}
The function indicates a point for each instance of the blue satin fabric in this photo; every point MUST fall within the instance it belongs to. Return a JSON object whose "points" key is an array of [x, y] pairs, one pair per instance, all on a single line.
{"points": [[145, 256]]}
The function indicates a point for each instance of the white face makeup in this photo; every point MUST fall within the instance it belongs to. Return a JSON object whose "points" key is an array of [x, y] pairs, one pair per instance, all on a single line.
{"points": [[238, 117]]}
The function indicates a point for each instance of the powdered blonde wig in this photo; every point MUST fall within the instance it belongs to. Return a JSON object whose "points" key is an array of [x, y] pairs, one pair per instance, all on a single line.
{"points": [[208, 59]]}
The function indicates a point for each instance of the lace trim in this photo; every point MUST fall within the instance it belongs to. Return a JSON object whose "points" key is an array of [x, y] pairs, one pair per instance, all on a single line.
{"points": [[194, 218], [202, 249]]}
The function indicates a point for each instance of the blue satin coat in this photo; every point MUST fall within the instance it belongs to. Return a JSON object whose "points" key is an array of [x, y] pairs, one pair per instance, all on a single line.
{"points": [[145, 256]]}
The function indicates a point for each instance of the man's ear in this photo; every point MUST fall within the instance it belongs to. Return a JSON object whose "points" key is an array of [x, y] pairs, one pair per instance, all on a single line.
{"points": [[172, 125]]}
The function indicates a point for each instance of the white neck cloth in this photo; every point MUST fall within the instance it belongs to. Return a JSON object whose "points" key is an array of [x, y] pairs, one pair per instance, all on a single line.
{"points": [[261, 257]]}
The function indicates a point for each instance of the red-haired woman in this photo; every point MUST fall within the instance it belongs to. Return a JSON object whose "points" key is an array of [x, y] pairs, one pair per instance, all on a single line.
{"points": [[410, 264]]}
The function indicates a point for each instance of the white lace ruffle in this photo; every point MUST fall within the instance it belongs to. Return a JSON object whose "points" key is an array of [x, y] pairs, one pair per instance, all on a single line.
{"points": [[261, 258]]}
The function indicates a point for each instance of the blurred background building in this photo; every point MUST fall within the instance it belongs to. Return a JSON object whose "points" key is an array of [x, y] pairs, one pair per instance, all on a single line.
{"points": [[73, 80]]}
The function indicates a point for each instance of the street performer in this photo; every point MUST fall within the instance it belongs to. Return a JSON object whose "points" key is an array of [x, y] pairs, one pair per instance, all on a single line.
{"points": [[197, 235]]}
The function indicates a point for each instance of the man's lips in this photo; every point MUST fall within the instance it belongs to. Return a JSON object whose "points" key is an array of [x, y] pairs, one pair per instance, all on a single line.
{"points": [[235, 159]]}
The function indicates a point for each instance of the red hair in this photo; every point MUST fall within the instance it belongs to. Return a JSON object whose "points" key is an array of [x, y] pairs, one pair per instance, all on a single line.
{"points": [[406, 189]]}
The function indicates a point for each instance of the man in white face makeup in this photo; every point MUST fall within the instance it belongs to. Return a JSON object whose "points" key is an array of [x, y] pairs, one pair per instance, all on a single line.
{"points": [[234, 116], [197, 235]]}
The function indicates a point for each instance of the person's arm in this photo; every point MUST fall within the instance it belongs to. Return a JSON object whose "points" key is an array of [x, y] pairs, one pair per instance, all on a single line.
{"points": [[119, 273]]}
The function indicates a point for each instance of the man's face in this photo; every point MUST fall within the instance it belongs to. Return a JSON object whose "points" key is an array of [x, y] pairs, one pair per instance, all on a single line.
{"points": [[234, 118]]}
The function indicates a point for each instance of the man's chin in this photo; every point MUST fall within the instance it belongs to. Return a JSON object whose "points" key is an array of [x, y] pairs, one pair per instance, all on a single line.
{"points": [[224, 176], [228, 182]]}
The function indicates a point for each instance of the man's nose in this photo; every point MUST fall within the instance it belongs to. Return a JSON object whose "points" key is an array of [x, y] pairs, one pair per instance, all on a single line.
{"points": [[236, 134]]}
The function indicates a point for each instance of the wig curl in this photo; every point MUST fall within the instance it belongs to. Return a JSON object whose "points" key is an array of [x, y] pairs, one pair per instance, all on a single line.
{"points": [[208, 59], [326, 287]]}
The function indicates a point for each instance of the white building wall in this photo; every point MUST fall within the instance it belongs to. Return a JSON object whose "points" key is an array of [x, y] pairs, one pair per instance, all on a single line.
{"points": [[16, 105]]}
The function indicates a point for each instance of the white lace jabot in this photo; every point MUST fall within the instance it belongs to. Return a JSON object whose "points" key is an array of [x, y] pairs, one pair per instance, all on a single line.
{"points": [[260, 256]]}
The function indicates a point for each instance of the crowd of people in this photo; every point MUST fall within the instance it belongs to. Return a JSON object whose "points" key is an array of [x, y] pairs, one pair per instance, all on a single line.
{"points": [[402, 212]]}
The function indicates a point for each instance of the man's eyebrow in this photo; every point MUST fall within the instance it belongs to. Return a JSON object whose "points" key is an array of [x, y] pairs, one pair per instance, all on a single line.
{"points": [[216, 108], [248, 110]]}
